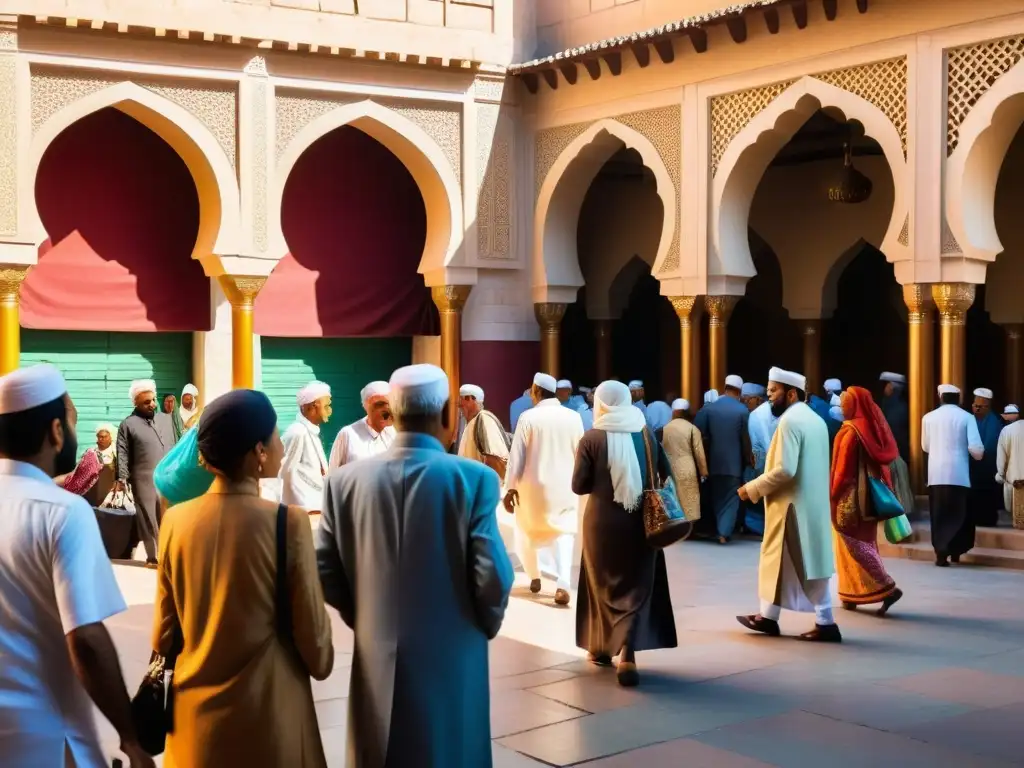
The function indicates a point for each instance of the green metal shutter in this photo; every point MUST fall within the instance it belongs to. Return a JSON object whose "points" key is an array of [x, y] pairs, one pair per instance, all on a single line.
{"points": [[347, 365], [100, 366]]}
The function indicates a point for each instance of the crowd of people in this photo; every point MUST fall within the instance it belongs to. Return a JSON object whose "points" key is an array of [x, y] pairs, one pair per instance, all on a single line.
{"points": [[409, 549]]}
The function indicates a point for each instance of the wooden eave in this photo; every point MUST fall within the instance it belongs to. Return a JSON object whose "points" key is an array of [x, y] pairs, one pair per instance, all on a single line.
{"points": [[660, 41]]}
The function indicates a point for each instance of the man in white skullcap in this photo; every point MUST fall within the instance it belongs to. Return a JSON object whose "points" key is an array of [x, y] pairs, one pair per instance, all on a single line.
{"points": [[821, 405], [143, 439], [539, 486], [950, 437], [1010, 467], [370, 435], [751, 395], [986, 497], [485, 439], [636, 390], [684, 447], [724, 428], [410, 555], [797, 564], [305, 466], [1011, 414], [57, 588]]}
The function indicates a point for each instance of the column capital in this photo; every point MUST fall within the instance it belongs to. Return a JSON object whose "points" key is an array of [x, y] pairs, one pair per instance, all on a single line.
{"points": [[241, 290], [953, 301], [450, 298], [683, 305], [719, 308], [549, 314], [11, 278], [918, 298]]}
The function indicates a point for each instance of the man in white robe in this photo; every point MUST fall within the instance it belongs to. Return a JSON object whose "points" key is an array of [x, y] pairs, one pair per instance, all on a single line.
{"points": [[484, 439], [304, 465], [538, 486], [370, 435], [797, 563], [1010, 466]]}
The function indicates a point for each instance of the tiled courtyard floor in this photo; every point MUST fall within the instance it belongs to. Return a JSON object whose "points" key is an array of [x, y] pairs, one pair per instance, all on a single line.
{"points": [[938, 683]]}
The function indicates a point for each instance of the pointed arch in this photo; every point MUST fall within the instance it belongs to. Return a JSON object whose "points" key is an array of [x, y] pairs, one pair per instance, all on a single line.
{"points": [[417, 151], [212, 172], [556, 261], [752, 150]]}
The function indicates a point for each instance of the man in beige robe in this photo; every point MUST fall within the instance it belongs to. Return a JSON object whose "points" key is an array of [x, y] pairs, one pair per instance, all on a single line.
{"points": [[1010, 466], [797, 563], [484, 438]]}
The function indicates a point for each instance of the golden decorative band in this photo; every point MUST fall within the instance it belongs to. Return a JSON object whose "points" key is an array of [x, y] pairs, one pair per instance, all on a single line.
{"points": [[450, 298], [241, 290], [719, 308], [549, 315], [11, 278], [683, 305], [953, 300]]}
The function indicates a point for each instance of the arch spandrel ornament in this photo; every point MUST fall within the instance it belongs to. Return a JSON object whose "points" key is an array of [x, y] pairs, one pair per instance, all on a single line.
{"points": [[971, 71]]}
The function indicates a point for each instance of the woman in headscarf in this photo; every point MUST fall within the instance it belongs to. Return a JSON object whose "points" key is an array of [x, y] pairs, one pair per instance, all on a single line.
{"points": [[241, 684], [684, 448], [864, 447], [623, 604]]}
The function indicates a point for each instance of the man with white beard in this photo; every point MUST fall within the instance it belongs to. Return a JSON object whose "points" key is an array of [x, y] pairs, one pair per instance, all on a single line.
{"points": [[538, 485]]}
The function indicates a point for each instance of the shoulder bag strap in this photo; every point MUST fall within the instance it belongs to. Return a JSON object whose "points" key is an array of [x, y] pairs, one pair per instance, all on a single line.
{"points": [[282, 605], [650, 484]]}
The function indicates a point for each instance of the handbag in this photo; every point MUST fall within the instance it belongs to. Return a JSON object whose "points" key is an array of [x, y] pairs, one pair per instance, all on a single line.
{"points": [[153, 704], [898, 529], [664, 521], [884, 503], [497, 463]]}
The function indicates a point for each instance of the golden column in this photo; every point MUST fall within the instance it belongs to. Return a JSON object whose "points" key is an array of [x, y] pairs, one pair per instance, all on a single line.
{"points": [[11, 278], [241, 292], [719, 309], [603, 344], [1013, 362], [549, 316], [683, 305], [810, 332], [450, 300], [920, 372], [953, 300]]}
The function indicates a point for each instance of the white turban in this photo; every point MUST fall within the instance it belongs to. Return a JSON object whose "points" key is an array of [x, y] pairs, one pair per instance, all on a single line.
{"points": [[28, 388], [679, 404], [418, 390], [190, 389], [373, 389], [139, 386], [312, 392], [948, 389], [789, 378], [546, 382], [833, 385], [983, 392], [472, 390], [734, 382], [564, 384]]}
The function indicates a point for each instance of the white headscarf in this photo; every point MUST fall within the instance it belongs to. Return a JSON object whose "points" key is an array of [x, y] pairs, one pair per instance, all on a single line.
{"points": [[615, 414], [188, 413]]}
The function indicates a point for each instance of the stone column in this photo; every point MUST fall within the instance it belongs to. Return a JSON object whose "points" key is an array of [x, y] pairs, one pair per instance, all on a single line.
{"points": [[920, 372], [719, 309], [241, 292], [603, 349], [810, 332], [953, 300], [1014, 331], [549, 316], [11, 278], [450, 300], [689, 389]]}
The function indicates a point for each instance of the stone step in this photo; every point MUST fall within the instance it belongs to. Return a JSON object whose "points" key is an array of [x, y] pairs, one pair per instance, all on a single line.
{"points": [[985, 556], [986, 538]]}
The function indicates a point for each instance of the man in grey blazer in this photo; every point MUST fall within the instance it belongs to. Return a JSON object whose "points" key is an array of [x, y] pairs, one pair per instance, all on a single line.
{"points": [[410, 554]]}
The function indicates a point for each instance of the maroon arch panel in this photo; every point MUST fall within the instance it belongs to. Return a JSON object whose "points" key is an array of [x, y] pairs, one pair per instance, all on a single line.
{"points": [[503, 369], [355, 223], [122, 215]]}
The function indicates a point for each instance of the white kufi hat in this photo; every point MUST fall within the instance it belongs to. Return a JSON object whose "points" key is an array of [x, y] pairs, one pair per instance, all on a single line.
{"points": [[312, 392], [734, 382], [564, 384], [983, 392], [895, 378], [418, 390], [833, 385], [948, 389], [680, 404], [1011, 408], [472, 390], [28, 388], [636, 384], [789, 378], [546, 382], [373, 389]]}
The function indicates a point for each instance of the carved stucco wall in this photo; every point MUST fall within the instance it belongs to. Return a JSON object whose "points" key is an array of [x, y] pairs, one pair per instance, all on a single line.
{"points": [[970, 72], [256, 69], [881, 83], [495, 145], [660, 126], [8, 134], [213, 104]]}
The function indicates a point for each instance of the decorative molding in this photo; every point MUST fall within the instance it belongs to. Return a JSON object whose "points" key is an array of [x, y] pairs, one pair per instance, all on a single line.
{"points": [[953, 300], [719, 308], [494, 148], [257, 67], [489, 89], [11, 278], [918, 298], [683, 305], [950, 246], [450, 298], [214, 105], [549, 315], [8, 143], [259, 163], [8, 40], [970, 72], [241, 290], [904, 238]]}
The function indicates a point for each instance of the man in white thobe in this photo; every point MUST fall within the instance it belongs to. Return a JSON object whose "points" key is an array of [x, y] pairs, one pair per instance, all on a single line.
{"points": [[304, 465], [539, 486], [950, 437], [370, 435], [484, 439], [797, 564], [1010, 466]]}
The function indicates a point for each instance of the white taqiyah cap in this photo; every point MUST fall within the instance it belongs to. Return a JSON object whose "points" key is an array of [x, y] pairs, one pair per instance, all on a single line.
{"points": [[636, 384], [833, 385], [30, 387], [312, 392], [895, 378], [733, 381], [139, 386], [472, 390], [418, 390], [545, 381], [373, 389], [789, 378], [835, 402], [983, 392], [679, 404], [564, 384], [752, 390], [948, 389], [1011, 408]]}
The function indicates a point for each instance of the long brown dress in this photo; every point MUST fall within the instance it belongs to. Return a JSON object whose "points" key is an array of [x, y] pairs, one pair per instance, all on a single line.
{"points": [[623, 592], [241, 695], [684, 446]]}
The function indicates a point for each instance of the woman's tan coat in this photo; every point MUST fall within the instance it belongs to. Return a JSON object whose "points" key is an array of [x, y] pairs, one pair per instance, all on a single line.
{"points": [[685, 450], [241, 695]]}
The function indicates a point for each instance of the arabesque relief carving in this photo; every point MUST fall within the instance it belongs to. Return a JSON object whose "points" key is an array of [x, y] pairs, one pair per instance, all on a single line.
{"points": [[8, 144], [970, 72], [494, 147]]}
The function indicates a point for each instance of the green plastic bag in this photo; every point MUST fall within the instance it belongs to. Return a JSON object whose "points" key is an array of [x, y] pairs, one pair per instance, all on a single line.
{"points": [[179, 477], [898, 529]]}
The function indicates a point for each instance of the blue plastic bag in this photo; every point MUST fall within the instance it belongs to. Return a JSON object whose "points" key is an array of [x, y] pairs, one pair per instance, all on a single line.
{"points": [[179, 476]]}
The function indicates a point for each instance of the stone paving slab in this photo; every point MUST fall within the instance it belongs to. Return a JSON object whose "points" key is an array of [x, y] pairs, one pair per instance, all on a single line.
{"points": [[940, 682]]}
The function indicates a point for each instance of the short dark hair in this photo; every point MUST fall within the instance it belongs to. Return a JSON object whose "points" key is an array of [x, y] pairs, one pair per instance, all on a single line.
{"points": [[950, 398], [543, 394], [801, 396], [22, 434]]}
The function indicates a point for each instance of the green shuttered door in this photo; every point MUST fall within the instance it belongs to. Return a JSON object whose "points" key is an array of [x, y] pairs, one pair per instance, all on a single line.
{"points": [[99, 368], [347, 365]]}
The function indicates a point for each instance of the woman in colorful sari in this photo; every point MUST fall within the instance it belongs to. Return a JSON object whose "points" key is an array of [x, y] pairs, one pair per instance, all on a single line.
{"points": [[864, 447]]}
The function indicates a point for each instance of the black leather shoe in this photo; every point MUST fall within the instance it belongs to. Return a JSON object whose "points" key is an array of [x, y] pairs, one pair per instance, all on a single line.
{"points": [[535, 586], [823, 633], [758, 623]]}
